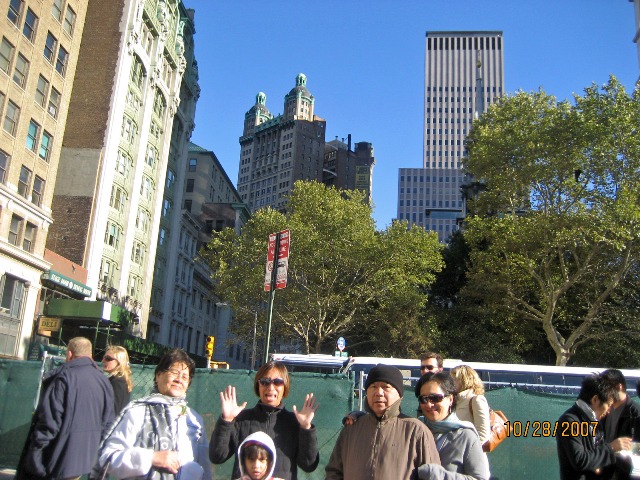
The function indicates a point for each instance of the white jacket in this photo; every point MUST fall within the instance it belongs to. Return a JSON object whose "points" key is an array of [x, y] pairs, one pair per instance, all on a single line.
{"points": [[128, 460], [263, 440], [480, 417]]}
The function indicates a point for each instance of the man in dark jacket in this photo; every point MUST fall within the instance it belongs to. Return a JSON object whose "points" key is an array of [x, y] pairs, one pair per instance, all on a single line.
{"points": [[621, 421], [582, 450], [75, 411]]}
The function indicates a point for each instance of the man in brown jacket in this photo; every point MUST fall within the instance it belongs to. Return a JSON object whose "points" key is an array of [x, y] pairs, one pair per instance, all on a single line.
{"points": [[384, 444]]}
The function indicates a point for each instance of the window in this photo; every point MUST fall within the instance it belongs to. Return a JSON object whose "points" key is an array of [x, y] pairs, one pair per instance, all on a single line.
{"points": [[11, 118], [112, 235], [105, 272], [137, 73], [166, 207], [61, 63], [6, 54], [146, 187], [137, 253], [56, 9], [162, 236], [30, 25], [193, 162], [29, 237], [187, 205], [4, 166], [38, 190], [11, 296], [20, 71], [143, 219], [69, 20], [54, 103], [14, 11], [171, 178], [118, 198], [23, 181], [42, 90], [32, 136], [152, 154], [190, 183], [14, 229], [50, 47], [45, 146], [123, 164]]}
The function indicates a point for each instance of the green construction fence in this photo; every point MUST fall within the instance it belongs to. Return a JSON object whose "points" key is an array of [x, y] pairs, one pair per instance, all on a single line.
{"points": [[530, 452]]}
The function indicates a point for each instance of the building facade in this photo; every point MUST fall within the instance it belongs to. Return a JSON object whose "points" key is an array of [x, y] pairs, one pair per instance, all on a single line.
{"points": [[349, 169], [184, 308], [275, 151], [122, 134], [464, 75], [39, 52]]}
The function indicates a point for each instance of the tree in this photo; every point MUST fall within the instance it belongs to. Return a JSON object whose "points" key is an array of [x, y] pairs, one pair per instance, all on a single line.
{"points": [[340, 267], [557, 230]]}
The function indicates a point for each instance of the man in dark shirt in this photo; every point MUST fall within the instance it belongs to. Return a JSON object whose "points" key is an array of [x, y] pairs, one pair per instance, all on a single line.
{"points": [[584, 454]]}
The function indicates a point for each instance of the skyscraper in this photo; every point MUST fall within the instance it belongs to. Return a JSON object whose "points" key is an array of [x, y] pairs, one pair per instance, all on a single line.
{"points": [[464, 75], [277, 151]]}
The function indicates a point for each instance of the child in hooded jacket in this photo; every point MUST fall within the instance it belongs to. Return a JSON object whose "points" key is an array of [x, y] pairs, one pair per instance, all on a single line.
{"points": [[257, 457]]}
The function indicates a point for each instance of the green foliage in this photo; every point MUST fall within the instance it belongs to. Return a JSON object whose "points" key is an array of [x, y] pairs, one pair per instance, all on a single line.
{"points": [[562, 187], [342, 272]]}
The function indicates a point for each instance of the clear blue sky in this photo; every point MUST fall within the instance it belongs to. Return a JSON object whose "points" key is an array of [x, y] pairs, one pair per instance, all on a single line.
{"points": [[364, 62]]}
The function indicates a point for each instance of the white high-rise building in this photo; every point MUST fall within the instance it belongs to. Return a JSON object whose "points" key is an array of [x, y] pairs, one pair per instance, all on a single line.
{"points": [[464, 74]]}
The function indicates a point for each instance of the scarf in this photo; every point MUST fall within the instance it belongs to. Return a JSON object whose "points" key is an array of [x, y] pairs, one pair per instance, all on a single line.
{"points": [[442, 427]]}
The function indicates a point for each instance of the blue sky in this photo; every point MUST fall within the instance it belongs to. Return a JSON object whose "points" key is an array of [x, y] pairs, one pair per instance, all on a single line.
{"points": [[364, 62]]}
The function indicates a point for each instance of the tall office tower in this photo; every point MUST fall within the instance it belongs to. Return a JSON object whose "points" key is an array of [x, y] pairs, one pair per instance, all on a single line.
{"points": [[636, 34], [463, 75], [123, 128], [39, 48], [277, 151], [349, 169], [184, 307]]}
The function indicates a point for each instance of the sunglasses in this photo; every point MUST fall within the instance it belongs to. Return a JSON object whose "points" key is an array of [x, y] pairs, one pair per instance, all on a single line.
{"points": [[108, 358], [428, 367], [433, 398], [265, 382]]}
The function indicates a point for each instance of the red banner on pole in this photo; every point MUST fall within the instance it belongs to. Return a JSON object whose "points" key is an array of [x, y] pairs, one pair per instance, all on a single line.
{"points": [[282, 262]]}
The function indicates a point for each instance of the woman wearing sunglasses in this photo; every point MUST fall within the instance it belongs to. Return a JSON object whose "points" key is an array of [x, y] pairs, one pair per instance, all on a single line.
{"points": [[292, 432], [458, 444], [115, 363]]}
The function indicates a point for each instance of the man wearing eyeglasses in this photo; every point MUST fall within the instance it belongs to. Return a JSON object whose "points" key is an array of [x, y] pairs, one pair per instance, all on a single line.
{"points": [[431, 362], [384, 444], [74, 412]]}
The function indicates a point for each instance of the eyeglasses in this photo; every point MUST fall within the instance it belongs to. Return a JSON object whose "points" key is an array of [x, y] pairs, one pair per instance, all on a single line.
{"points": [[428, 367], [184, 376], [433, 398], [265, 381], [108, 358]]}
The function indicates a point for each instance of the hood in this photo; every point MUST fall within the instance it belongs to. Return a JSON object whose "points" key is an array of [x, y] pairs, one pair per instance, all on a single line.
{"points": [[264, 440]]}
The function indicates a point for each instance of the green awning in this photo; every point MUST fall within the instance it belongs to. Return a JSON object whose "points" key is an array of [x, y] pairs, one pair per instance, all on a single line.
{"points": [[66, 282], [86, 310]]}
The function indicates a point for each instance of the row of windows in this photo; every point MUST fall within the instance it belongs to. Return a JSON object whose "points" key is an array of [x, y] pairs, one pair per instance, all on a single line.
{"points": [[39, 140], [428, 177], [29, 184], [22, 233], [464, 43], [17, 13], [441, 203]]}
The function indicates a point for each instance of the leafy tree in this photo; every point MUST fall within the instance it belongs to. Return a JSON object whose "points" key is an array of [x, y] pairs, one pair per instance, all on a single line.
{"points": [[340, 268], [557, 231]]}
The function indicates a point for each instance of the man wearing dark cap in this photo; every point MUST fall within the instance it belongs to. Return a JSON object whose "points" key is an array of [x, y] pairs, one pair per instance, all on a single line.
{"points": [[384, 444]]}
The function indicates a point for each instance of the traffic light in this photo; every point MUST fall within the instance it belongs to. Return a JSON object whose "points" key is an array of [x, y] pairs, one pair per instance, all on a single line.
{"points": [[208, 347]]}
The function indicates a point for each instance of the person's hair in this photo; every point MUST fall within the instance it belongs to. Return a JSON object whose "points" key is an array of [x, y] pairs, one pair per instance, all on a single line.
{"points": [[177, 355], [256, 451], [122, 369], [80, 347], [616, 377], [444, 380], [264, 369], [597, 385], [428, 355], [467, 379]]}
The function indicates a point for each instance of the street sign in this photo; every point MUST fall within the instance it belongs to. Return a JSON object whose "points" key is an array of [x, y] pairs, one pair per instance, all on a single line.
{"points": [[283, 260], [341, 343], [338, 353]]}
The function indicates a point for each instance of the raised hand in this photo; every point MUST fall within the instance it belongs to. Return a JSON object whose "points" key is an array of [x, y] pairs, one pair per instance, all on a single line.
{"points": [[230, 407], [305, 416]]}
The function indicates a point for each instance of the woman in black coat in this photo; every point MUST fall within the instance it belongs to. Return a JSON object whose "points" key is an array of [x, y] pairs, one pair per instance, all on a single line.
{"points": [[115, 363]]}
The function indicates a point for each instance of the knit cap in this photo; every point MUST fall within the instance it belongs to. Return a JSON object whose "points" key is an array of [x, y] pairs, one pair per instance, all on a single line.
{"points": [[387, 374]]}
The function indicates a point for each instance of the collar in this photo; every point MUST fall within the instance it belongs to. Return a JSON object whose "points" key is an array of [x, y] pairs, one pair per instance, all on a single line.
{"points": [[391, 412], [586, 408]]}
